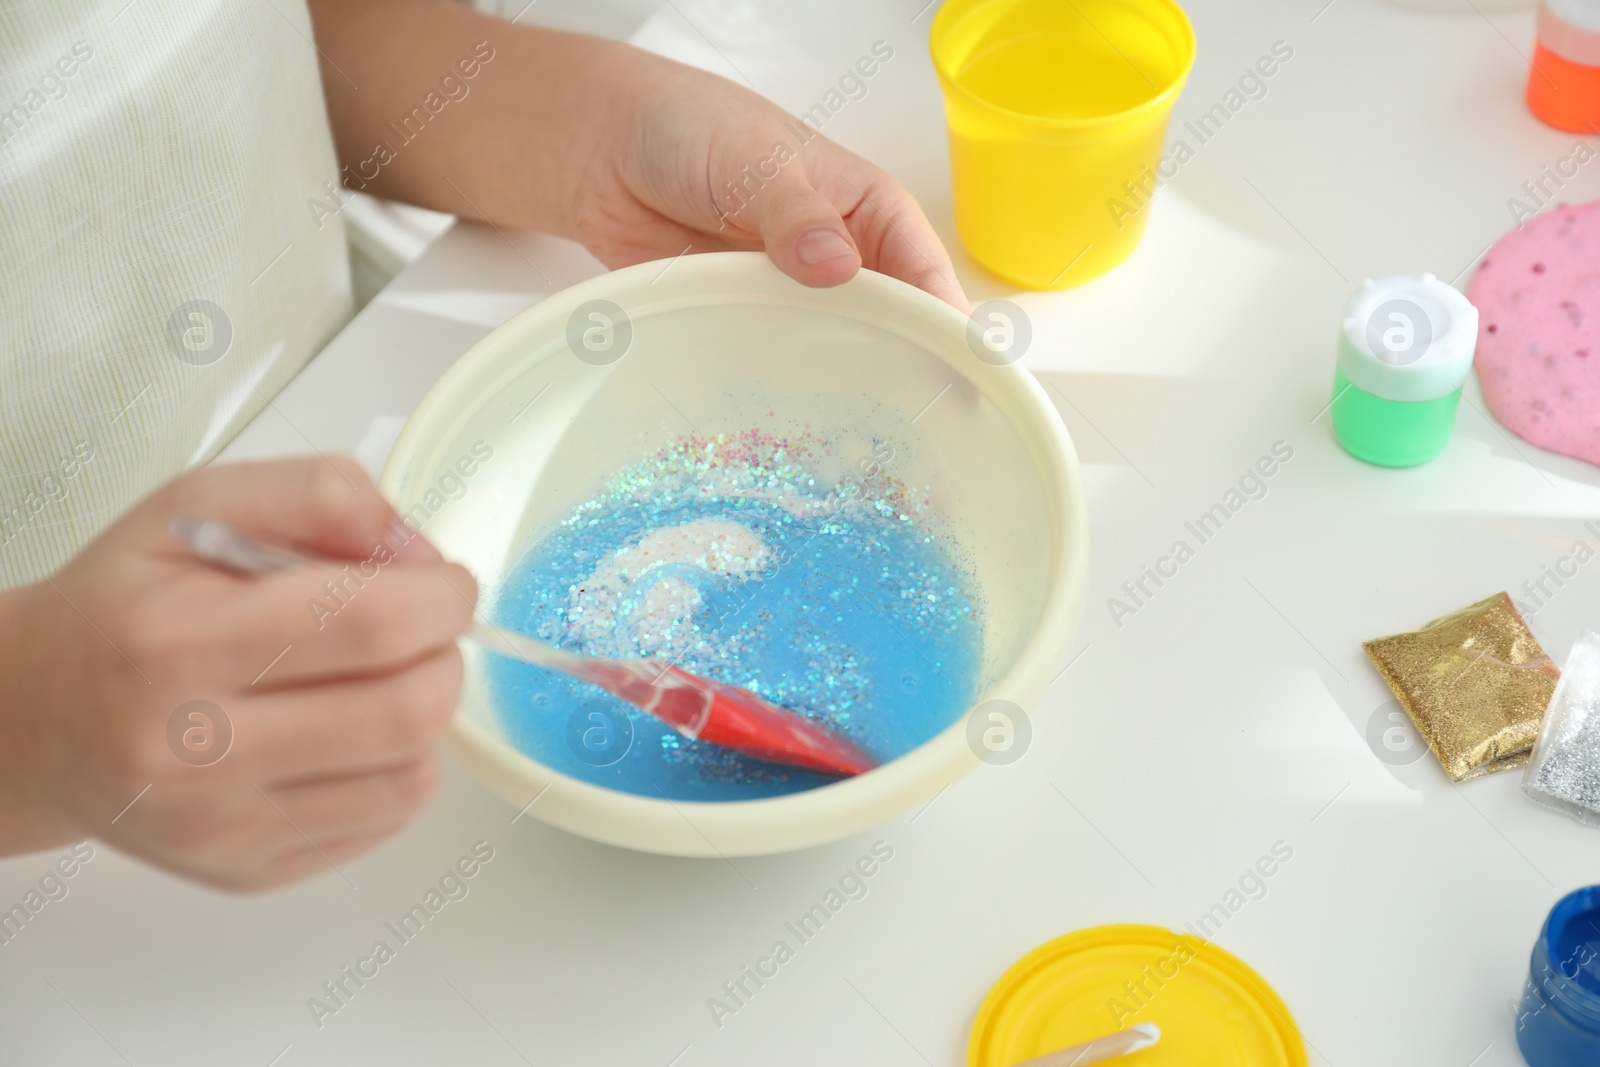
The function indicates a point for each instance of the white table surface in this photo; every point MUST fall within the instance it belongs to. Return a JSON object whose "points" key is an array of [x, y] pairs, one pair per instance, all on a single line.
{"points": [[1228, 714]]}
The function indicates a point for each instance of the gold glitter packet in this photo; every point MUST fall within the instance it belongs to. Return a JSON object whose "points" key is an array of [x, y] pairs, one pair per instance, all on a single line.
{"points": [[1474, 682]]}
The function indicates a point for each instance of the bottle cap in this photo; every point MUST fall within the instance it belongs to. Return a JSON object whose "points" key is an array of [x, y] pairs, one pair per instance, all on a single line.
{"points": [[1210, 1005], [1571, 29], [1407, 338]]}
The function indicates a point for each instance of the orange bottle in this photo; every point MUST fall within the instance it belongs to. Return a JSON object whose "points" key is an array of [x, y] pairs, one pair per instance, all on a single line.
{"points": [[1564, 84]]}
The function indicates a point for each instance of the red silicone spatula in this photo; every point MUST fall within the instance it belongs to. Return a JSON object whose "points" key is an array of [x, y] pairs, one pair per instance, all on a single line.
{"points": [[698, 708]]}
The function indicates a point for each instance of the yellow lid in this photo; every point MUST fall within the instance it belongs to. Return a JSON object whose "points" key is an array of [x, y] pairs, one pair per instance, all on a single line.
{"points": [[1213, 1010]]}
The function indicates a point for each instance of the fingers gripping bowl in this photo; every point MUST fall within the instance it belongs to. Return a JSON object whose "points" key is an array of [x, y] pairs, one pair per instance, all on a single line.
{"points": [[539, 413]]}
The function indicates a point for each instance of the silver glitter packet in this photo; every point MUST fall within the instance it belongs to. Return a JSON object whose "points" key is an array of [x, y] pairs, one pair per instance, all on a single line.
{"points": [[1565, 770]]}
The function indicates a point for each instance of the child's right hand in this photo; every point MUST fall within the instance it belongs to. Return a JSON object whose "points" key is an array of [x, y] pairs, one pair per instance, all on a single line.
{"points": [[334, 729]]}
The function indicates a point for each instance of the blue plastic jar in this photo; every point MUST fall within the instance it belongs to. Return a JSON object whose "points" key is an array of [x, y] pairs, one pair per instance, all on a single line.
{"points": [[1559, 1024]]}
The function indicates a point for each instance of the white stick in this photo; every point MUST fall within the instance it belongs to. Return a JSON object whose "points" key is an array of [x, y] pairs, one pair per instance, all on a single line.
{"points": [[525, 648], [1101, 1048]]}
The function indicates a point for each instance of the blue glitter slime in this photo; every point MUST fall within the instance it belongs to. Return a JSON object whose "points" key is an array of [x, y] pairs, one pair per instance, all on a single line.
{"points": [[727, 557]]}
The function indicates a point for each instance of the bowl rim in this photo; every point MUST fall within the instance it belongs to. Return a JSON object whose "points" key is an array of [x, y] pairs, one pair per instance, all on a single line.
{"points": [[952, 13], [814, 816]]}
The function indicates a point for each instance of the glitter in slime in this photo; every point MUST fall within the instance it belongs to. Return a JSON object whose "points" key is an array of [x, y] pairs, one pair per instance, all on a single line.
{"points": [[730, 558]]}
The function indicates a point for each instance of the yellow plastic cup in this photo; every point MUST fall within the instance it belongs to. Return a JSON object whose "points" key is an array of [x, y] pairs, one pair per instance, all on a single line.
{"points": [[1057, 112]]}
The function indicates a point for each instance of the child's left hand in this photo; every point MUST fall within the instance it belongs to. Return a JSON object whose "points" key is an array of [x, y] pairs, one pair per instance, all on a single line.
{"points": [[634, 155], [700, 163]]}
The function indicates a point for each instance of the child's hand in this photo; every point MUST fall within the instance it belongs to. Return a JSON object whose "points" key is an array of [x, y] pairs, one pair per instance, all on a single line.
{"points": [[623, 150], [334, 729], [699, 162]]}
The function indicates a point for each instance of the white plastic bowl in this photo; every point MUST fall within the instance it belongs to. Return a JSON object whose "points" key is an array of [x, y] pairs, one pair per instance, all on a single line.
{"points": [[722, 343]]}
